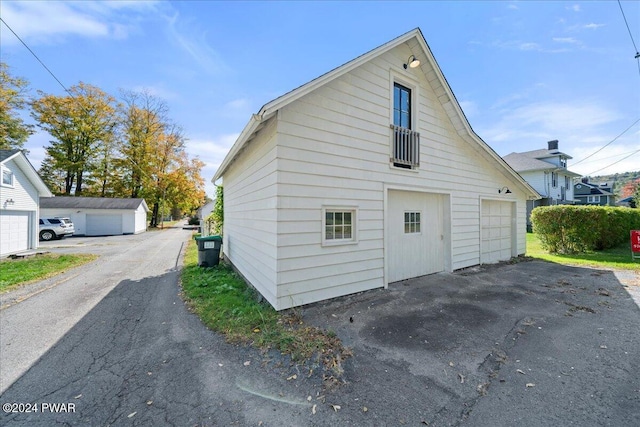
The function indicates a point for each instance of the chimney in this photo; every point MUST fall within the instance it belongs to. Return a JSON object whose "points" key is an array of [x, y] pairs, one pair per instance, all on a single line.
{"points": [[553, 145]]}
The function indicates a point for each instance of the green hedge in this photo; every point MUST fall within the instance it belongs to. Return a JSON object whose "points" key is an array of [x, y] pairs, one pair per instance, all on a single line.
{"points": [[571, 229]]}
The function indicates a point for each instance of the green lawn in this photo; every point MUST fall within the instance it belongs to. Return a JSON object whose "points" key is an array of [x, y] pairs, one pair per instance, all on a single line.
{"points": [[227, 305], [619, 257], [14, 273]]}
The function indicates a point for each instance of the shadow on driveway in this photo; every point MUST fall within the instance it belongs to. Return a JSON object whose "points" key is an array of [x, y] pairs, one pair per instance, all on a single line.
{"points": [[532, 343], [529, 344]]}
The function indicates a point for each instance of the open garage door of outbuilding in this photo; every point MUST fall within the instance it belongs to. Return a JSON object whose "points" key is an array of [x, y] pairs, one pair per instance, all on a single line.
{"points": [[498, 231], [415, 234], [14, 231], [104, 225]]}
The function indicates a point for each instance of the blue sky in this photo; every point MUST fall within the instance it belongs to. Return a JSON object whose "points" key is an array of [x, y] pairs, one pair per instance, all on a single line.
{"points": [[524, 72]]}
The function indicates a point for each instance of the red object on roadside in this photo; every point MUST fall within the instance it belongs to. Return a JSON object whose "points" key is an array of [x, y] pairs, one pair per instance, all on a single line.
{"points": [[635, 241]]}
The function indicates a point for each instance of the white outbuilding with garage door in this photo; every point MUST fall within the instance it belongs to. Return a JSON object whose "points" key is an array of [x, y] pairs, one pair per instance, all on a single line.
{"points": [[99, 216], [367, 175], [20, 190]]}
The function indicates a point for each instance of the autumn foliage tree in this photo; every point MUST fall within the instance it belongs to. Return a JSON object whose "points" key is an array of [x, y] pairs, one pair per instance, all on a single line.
{"points": [[80, 123], [104, 147], [631, 189], [13, 130], [153, 162]]}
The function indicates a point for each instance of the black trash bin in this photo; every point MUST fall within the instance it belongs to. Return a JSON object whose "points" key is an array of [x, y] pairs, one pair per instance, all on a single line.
{"points": [[209, 250]]}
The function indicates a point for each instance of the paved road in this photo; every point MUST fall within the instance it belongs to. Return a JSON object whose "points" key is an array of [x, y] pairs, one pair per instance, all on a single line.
{"points": [[445, 349], [116, 344], [50, 308]]}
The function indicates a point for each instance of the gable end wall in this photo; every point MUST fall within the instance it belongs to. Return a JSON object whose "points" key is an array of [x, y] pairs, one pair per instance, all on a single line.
{"points": [[333, 150], [250, 226]]}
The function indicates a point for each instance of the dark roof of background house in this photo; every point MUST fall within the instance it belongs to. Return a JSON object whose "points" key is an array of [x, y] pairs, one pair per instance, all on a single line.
{"points": [[595, 189], [5, 154], [91, 203]]}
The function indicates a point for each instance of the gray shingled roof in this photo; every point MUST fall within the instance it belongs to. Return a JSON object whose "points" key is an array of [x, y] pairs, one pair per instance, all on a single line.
{"points": [[90, 203], [521, 162], [5, 154]]}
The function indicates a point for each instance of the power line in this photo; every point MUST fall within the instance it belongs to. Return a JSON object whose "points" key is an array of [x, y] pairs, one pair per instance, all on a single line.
{"points": [[36, 56], [630, 35], [614, 163], [607, 144], [609, 157]]}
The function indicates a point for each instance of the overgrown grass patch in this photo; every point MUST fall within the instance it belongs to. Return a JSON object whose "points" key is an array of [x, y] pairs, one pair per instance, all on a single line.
{"points": [[17, 272], [227, 305], [618, 257]]}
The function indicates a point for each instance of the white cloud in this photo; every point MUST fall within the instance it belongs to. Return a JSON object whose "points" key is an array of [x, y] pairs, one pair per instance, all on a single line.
{"points": [[616, 158], [50, 22], [569, 40], [539, 119], [212, 152], [194, 43], [582, 127], [575, 7], [592, 26], [526, 46]]}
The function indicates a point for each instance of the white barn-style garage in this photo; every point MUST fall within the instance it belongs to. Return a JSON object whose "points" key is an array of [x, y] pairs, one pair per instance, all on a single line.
{"points": [[20, 190], [367, 175], [98, 216]]}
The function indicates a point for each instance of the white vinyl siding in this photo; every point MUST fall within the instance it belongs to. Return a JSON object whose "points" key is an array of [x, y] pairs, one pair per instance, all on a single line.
{"points": [[24, 196], [140, 221], [331, 147], [250, 213], [22, 192]]}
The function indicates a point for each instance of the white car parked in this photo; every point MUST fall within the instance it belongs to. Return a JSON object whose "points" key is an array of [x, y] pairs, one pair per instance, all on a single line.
{"points": [[55, 228]]}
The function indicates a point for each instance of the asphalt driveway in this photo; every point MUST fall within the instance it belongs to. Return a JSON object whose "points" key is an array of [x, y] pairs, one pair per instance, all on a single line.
{"points": [[528, 344]]}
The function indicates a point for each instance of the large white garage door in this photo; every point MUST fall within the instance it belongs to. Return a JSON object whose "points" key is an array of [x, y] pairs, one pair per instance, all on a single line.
{"points": [[416, 234], [497, 231], [104, 225], [14, 231]]}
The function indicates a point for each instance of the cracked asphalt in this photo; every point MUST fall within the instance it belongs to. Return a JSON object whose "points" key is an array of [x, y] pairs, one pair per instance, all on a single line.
{"points": [[528, 344]]}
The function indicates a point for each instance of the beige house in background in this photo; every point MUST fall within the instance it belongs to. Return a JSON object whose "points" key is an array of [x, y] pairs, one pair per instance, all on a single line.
{"points": [[368, 175]]}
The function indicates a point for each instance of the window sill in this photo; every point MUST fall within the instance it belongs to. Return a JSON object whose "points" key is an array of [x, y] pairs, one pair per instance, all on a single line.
{"points": [[329, 243], [396, 168]]}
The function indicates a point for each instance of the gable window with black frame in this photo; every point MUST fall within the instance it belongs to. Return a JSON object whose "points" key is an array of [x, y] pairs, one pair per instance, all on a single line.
{"points": [[406, 142]]}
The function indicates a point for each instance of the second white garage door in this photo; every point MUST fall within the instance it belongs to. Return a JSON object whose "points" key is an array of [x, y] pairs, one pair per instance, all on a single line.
{"points": [[104, 225], [416, 234], [497, 231]]}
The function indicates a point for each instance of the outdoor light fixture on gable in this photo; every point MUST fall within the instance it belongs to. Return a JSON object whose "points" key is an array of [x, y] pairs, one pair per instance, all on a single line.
{"points": [[412, 62], [504, 190]]}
